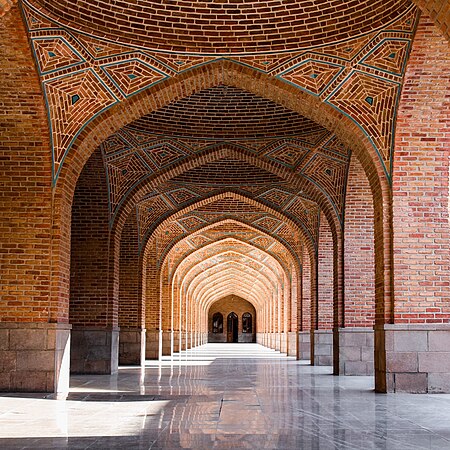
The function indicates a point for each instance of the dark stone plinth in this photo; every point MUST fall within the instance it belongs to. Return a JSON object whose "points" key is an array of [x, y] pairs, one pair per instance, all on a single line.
{"points": [[132, 346], [94, 351]]}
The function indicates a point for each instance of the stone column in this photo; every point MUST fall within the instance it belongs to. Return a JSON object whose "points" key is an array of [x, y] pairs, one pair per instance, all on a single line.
{"points": [[356, 351], [276, 341], [283, 342], [418, 358], [166, 343], [304, 345], [151, 344], [132, 346], [94, 350], [176, 341], [323, 347], [34, 357], [292, 343]]}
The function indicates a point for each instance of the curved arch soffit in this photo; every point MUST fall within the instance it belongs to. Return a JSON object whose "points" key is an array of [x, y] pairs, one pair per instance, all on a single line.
{"points": [[294, 262], [223, 72], [203, 202], [182, 272], [210, 272], [314, 192]]}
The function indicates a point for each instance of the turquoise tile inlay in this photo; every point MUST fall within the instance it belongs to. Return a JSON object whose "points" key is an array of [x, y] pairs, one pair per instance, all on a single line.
{"points": [[75, 98]]}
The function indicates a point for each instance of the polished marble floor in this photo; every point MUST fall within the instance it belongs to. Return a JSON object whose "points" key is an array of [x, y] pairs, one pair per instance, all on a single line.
{"points": [[222, 396]]}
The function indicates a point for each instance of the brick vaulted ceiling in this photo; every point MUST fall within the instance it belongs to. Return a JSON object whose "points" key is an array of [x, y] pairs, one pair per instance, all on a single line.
{"points": [[224, 26], [225, 117], [350, 56]]}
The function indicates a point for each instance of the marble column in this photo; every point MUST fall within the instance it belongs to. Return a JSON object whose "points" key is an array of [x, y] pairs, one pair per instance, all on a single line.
{"points": [[35, 357], [417, 358], [94, 350], [132, 346]]}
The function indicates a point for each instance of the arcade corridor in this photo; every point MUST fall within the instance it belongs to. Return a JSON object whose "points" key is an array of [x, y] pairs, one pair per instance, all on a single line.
{"points": [[225, 224]]}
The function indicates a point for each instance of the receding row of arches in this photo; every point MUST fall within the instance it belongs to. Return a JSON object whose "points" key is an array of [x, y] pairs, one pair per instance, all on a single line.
{"points": [[149, 231]]}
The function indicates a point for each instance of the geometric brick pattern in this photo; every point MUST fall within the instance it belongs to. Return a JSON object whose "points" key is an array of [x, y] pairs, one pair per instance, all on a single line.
{"points": [[331, 174], [229, 207], [153, 152], [374, 100], [133, 75], [390, 55], [74, 99], [313, 76], [362, 76], [53, 54]]}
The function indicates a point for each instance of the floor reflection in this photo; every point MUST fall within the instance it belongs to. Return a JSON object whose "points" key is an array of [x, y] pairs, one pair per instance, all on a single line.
{"points": [[224, 396]]}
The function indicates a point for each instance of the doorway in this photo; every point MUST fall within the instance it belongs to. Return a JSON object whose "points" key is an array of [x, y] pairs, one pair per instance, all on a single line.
{"points": [[232, 328]]}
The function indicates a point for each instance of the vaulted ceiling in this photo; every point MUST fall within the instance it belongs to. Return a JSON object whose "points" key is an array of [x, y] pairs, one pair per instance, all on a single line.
{"points": [[222, 162]]}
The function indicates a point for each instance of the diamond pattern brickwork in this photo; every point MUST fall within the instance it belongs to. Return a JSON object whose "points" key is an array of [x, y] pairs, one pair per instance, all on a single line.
{"points": [[362, 77]]}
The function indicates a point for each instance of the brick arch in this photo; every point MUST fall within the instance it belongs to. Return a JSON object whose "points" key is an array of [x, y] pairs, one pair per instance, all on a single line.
{"points": [[295, 260], [153, 279], [210, 75], [308, 243], [225, 150], [198, 282], [192, 269], [439, 12], [283, 267], [229, 73], [293, 267]]}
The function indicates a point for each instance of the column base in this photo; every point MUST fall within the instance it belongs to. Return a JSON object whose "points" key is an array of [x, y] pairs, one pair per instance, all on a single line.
{"points": [[94, 351], [35, 357], [151, 344], [166, 337], [323, 347], [292, 343], [356, 351], [417, 358], [304, 345], [132, 346]]}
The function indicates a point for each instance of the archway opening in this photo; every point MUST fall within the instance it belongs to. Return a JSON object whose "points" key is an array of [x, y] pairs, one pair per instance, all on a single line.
{"points": [[241, 319]]}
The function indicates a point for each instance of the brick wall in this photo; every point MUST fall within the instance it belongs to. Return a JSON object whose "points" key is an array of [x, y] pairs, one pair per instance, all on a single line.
{"points": [[359, 260], [439, 13], [306, 292], [90, 248], [130, 277], [325, 276], [420, 183], [25, 186]]}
